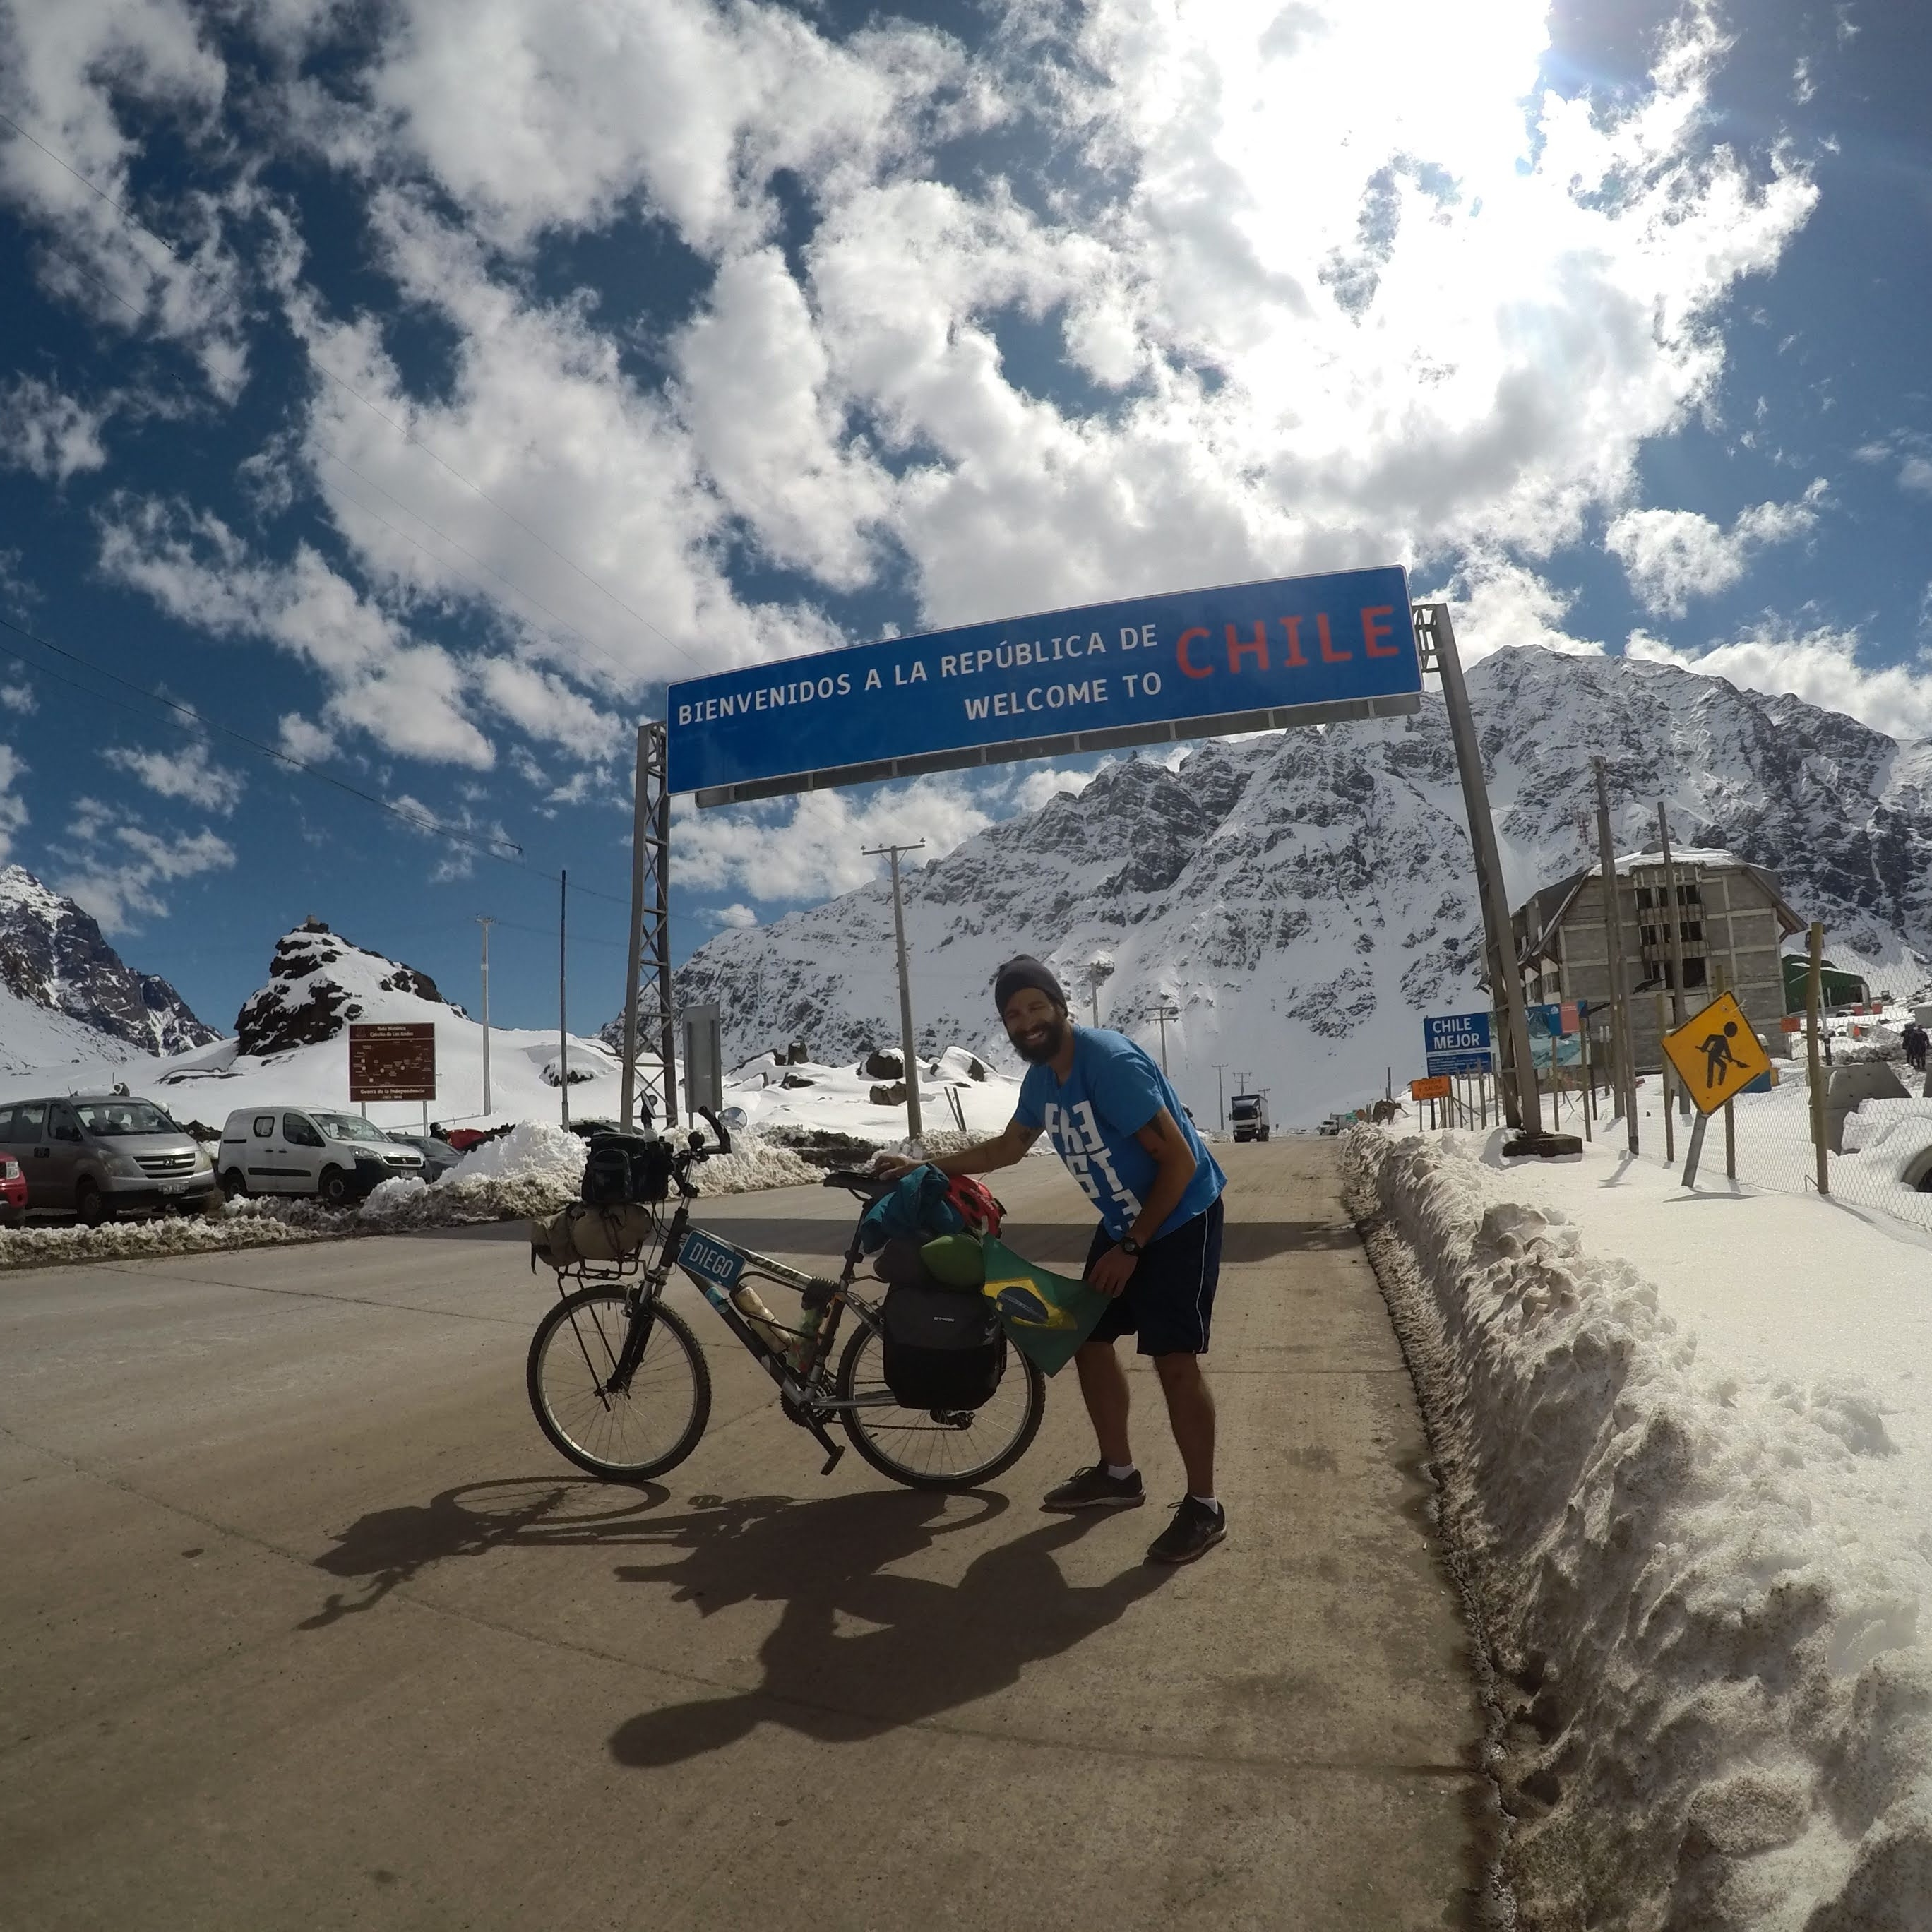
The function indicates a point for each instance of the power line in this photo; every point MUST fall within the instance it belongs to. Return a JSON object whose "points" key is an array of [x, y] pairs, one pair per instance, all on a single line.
{"points": [[208, 723], [348, 388], [494, 848]]}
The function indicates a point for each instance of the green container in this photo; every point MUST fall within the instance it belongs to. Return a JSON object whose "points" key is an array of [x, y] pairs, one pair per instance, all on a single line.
{"points": [[955, 1261]]}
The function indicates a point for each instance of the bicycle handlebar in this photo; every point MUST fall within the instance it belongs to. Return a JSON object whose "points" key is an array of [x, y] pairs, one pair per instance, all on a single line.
{"points": [[718, 1127]]}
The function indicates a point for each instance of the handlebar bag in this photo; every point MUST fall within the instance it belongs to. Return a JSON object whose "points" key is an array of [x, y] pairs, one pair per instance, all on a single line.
{"points": [[943, 1349], [621, 1168]]}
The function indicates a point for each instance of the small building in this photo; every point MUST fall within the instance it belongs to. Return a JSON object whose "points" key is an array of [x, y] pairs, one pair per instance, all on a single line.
{"points": [[1835, 988], [1732, 921]]}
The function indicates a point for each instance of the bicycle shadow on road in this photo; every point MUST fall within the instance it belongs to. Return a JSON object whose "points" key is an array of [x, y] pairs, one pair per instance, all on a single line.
{"points": [[931, 1646], [392, 1546]]}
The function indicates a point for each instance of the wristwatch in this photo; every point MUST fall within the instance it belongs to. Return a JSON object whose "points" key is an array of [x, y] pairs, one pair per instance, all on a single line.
{"points": [[1129, 1246]]}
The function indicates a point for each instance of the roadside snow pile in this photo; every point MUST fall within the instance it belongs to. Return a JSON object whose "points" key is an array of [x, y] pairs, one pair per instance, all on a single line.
{"points": [[1699, 1592], [120, 1240], [754, 1163], [1877, 1121], [529, 1174]]}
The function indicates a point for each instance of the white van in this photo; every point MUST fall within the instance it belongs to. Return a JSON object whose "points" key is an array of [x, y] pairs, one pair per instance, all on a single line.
{"points": [[301, 1151]]}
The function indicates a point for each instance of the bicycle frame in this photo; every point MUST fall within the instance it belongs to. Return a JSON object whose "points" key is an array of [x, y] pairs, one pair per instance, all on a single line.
{"points": [[716, 1265]]}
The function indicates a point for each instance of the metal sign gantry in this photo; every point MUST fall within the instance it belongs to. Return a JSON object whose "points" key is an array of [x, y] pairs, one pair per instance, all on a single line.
{"points": [[648, 1017]]}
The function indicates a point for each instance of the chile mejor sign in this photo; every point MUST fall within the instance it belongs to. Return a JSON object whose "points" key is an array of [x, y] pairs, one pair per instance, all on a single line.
{"points": [[1246, 657]]}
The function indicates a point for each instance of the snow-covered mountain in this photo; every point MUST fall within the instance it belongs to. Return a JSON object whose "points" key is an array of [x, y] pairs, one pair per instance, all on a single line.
{"points": [[1304, 898], [319, 982], [67, 991], [291, 1048]]}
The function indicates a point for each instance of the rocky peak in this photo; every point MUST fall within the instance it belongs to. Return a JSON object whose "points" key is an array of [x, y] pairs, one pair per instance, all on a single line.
{"points": [[319, 982], [52, 953]]}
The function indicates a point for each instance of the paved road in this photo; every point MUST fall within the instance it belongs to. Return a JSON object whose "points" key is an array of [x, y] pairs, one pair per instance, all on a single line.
{"points": [[302, 1623]]}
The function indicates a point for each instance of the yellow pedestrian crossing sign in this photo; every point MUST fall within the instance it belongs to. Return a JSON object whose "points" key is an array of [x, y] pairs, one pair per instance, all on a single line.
{"points": [[1716, 1054]]}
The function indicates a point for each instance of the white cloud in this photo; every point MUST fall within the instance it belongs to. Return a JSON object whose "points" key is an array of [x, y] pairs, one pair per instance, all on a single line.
{"points": [[12, 808], [812, 847], [303, 739], [1820, 666], [737, 916], [1496, 604], [543, 705], [1361, 330], [189, 773], [1915, 474], [119, 866], [47, 433], [19, 697], [407, 696], [457, 855], [66, 71], [1033, 788], [1673, 555], [533, 118]]}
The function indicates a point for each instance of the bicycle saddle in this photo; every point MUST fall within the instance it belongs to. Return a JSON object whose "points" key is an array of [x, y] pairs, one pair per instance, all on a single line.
{"points": [[870, 1186]]}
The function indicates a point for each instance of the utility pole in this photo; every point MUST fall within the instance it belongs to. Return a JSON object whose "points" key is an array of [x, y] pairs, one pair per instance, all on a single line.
{"points": [[1674, 932], [1165, 1011], [1622, 1043], [1436, 639], [562, 979], [1814, 1073], [1220, 1101], [484, 920], [1674, 913], [914, 1125], [650, 932]]}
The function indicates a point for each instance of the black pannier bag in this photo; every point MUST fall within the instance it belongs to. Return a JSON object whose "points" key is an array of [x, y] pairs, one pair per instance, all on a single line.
{"points": [[943, 1349], [621, 1169]]}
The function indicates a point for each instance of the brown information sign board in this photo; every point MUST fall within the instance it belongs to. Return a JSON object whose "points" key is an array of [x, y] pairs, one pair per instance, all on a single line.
{"points": [[393, 1062]]}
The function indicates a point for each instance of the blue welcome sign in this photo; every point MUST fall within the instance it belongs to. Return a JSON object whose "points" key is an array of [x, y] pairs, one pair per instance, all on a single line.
{"points": [[1246, 657]]}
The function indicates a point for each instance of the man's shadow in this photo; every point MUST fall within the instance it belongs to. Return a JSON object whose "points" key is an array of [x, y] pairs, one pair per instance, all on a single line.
{"points": [[922, 1646]]}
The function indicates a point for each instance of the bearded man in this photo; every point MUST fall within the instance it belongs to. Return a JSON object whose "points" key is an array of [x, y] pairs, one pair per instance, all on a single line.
{"points": [[1122, 1133]]}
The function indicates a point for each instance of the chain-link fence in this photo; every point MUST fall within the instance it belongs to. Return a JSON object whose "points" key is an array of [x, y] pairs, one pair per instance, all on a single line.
{"points": [[1875, 1121]]}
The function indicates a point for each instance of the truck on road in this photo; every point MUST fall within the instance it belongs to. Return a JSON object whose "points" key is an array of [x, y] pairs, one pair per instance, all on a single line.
{"points": [[1247, 1113]]}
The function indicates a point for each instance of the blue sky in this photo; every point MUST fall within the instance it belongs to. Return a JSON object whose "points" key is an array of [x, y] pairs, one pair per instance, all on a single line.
{"points": [[414, 388]]}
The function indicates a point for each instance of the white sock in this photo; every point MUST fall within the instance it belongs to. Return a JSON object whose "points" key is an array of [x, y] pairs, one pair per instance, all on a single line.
{"points": [[1206, 1502], [1119, 1472]]}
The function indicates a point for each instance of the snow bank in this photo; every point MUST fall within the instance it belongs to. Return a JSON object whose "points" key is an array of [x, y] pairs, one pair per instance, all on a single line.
{"points": [[126, 1240], [1700, 1593], [530, 1173]]}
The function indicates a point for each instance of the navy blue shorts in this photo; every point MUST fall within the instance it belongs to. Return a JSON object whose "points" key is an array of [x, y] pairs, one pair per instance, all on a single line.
{"points": [[1169, 1301]]}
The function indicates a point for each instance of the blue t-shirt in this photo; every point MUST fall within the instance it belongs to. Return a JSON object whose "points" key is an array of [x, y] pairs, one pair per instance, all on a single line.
{"points": [[1114, 1090]]}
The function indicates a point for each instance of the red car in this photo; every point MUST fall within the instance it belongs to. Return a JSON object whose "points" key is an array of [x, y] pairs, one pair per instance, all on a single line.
{"points": [[13, 1191]]}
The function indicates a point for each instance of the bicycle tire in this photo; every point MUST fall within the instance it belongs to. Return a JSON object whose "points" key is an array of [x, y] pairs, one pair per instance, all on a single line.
{"points": [[1032, 1409], [588, 1327]]}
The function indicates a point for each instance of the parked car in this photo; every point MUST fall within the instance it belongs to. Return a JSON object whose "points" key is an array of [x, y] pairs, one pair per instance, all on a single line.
{"points": [[337, 1157], [13, 1191], [439, 1157], [94, 1155]]}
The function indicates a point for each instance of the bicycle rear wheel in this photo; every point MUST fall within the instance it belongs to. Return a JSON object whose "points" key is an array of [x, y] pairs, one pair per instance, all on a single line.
{"points": [[928, 1450], [649, 1424]]}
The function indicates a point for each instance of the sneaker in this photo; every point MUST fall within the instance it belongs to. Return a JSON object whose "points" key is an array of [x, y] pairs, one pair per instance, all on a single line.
{"points": [[1194, 1530], [1094, 1489]]}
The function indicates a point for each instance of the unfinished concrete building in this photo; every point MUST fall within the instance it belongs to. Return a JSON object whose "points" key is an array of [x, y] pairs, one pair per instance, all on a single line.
{"points": [[1732, 918]]}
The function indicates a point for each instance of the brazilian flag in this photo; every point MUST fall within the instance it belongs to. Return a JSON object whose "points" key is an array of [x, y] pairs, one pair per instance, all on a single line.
{"points": [[1047, 1315]]}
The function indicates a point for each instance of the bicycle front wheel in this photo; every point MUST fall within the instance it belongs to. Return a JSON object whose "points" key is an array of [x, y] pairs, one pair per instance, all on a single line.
{"points": [[626, 1429], [926, 1450]]}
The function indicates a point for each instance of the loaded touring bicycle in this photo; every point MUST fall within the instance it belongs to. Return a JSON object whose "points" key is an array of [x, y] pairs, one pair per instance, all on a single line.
{"points": [[620, 1386]]}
